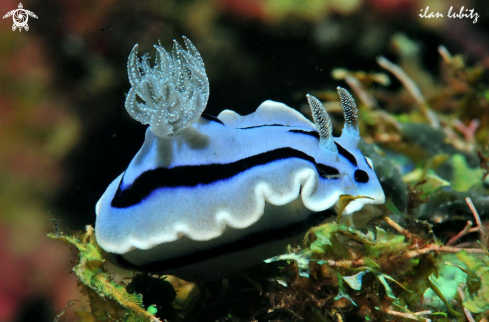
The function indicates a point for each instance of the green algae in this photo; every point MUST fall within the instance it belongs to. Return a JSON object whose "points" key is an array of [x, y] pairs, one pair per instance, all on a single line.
{"points": [[108, 299], [409, 276]]}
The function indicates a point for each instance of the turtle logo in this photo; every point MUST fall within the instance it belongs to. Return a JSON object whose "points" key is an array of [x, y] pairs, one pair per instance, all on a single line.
{"points": [[20, 18]]}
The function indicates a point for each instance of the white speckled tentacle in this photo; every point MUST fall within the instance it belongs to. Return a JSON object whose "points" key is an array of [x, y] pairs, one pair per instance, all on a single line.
{"points": [[192, 50], [132, 68], [350, 130], [323, 122], [138, 111], [163, 60], [174, 92]]}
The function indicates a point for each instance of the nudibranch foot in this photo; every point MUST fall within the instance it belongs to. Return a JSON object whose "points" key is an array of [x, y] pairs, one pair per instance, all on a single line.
{"points": [[233, 250]]}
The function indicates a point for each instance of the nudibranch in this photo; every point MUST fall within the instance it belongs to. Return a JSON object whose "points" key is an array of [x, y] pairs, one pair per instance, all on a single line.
{"points": [[208, 195]]}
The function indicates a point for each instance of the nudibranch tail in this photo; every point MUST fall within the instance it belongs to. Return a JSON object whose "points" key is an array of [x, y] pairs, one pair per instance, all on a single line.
{"points": [[351, 114], [174, 92], [323, 123]]}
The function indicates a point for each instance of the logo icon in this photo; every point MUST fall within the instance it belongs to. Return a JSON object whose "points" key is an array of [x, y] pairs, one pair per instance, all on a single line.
{"points": [[20, 17]]}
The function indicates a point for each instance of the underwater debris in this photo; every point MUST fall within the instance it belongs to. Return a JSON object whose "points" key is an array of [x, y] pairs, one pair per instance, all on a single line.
{"points": [[387, 268], [484, 164], [437, 140], [107, 298], [412, 88], [158, 294], [430, 141], [59, 315]]}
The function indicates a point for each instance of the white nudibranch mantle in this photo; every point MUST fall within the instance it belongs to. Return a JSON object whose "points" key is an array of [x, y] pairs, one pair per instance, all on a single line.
{"points": [[209, 195]]}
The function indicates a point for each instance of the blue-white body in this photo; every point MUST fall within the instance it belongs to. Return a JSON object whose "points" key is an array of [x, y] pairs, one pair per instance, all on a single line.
{"points": [[219, 194]]}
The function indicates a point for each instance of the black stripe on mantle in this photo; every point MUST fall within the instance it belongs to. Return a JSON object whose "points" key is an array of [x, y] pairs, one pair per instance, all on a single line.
{"points": [[191, 176], [262, 125], [211, 118], [249, 241], [341, 150]]}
